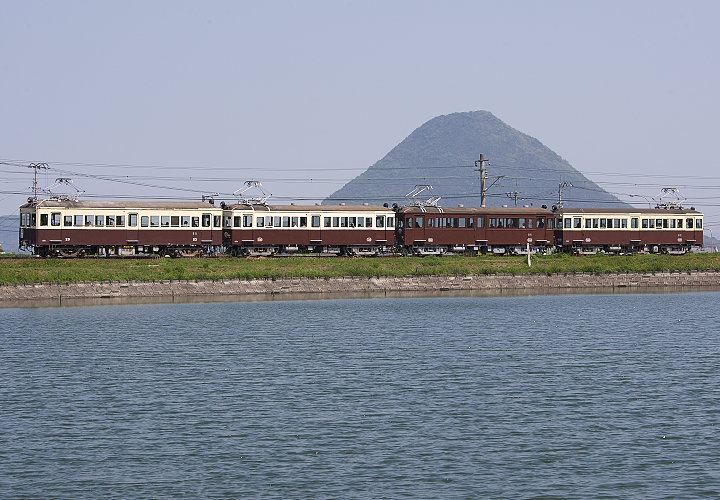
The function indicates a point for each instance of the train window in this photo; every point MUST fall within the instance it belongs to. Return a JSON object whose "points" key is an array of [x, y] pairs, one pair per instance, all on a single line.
{"points": [[623, 223], [315, 221], [658, 223], [43, 219], [463, 222], [216, 221], [326, 222], [577, 222], [89, 220], [410, 222], [343, 221], [185, 220], [481, 222], [588, 223], [352, 221], [247, 221], [269, 222], [144, 221], [390, 222], [689, 223], [195, 222], [698, 223], [79, 220], [567, 223], [540, 222], [645, 224], [493, 222], [670, 223], [227, 221], [120, 220], [529, 223], [237, 222], [679, 223], [634, 223], [261, 221], [133, 220], [165, 221], [155, 220], [603, 223], [430, 222], [294, 221], [471, 222], [361, 222], [276, 221], [455, 222], [99, 221], [286, 221], [68, 220], [303, 221], [368, 221], [522, 223], [616, 223], [55, 219], [419, 221], [175, 220], [336, 221], [206, 220]]}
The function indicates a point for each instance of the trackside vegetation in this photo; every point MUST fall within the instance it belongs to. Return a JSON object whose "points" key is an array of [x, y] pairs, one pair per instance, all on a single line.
{"points": [[34, 270]]}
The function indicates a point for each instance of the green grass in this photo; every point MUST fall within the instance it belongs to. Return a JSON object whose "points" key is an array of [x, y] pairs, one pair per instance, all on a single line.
{"points": [[35, 270]]}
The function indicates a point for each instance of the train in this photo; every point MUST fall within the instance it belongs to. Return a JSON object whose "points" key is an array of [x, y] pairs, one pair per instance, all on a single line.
{"points": [[73, 228]]}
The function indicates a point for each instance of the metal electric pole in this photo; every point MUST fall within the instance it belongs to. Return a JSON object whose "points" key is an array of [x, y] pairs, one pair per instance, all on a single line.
{"points": [[482, 164], [35, 188], [561, 186]]}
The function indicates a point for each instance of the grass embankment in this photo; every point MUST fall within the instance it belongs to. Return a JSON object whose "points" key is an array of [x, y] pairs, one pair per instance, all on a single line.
{"points": [[33, 270]]}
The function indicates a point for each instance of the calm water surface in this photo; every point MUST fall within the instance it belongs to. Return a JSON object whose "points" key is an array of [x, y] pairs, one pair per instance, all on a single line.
{"points": [[574, 396]]}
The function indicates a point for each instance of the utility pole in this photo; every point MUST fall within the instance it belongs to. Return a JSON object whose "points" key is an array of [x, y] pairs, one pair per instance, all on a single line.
{"points": [[35, 188], [482, 164], [513, 196], [562, 185]]}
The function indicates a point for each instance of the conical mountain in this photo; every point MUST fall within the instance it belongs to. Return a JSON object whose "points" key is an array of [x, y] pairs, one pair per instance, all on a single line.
{"points": [[442, 153]]}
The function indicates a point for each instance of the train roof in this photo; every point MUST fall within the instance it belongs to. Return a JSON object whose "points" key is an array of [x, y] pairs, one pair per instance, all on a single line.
{"points": [[628, 211], [309, 208], [177, 205], [475, 210]]}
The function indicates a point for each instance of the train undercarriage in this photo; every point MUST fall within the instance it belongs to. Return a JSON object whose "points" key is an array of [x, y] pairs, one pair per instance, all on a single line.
{"points": [[309, 250], [77, 251], [629, 249]]}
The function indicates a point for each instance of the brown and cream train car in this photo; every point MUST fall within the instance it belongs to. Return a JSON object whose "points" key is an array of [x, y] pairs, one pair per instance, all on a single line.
{"points": [[657, 230], [436, 230], [76, 228], [317, 229]]}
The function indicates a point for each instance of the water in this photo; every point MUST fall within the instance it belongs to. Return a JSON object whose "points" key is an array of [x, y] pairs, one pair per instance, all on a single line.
{"points": [[573, 396]]}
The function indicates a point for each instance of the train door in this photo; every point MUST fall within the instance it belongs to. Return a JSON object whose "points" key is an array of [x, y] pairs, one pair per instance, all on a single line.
{"points": [[315, 231], [132, 234]]}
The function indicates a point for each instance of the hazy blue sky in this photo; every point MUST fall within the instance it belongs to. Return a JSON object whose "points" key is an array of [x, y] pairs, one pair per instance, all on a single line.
{"points": [[263, 88]]}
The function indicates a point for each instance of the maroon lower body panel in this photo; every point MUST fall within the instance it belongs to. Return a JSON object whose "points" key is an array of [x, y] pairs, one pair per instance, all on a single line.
{"points": [[121, 237], [309, 237]]}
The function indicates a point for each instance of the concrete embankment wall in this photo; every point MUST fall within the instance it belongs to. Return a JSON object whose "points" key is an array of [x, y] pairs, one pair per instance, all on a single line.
{"points": [[211, 290]]}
